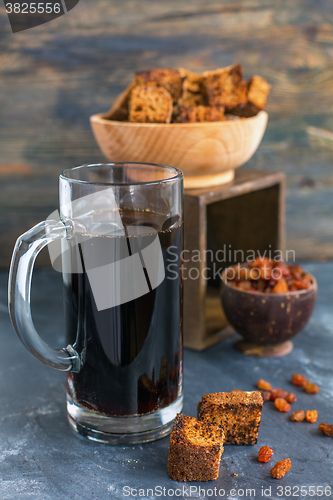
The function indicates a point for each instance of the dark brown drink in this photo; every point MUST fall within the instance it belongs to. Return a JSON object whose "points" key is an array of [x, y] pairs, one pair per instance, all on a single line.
{"points": [[131, 363]]}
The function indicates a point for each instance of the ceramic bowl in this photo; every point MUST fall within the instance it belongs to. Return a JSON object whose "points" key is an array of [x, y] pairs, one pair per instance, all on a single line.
{"points": [[267, 321]]}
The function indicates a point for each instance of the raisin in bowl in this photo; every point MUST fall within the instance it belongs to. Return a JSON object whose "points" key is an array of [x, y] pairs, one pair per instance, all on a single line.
{"points": [[268, 303]]}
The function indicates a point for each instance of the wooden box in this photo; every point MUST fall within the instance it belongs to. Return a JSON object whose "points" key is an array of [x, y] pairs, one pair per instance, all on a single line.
{"points": [[225, 225]]}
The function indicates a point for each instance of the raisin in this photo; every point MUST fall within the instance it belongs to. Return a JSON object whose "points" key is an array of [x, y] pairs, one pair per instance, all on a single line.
{"points": [[266, 395], [302, 284], [291, 398], [281, 404], [242, 274], [282, 270], [265, 454], [280, 287], [311, 416], [281, 468], [263, 385], [298, 379], [245, 285], [298, 416], [296, 271], [260, 261], [236, 273], [308, 278], [326, 429], [261, 285], [268, 276], [278, 393], [265, 272], [310, 387], [254, 274]]}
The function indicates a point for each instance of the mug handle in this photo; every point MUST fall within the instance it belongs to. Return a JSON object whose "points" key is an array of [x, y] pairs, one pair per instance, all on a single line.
{"points": [[26, 249]]}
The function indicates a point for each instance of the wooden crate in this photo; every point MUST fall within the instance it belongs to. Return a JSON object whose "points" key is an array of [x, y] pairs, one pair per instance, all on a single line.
{"points": [[247, 214]]}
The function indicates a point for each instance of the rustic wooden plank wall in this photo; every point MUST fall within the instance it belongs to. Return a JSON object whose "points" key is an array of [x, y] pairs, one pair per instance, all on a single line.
{"points": [[56, 75]]}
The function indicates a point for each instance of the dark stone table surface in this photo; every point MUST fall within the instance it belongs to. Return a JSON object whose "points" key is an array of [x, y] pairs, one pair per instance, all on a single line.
{"points": [[41, 459]]}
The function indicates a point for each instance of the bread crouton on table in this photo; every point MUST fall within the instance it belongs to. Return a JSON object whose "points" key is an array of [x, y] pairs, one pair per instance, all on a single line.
{"points": [[238, 412], [195, 450]]}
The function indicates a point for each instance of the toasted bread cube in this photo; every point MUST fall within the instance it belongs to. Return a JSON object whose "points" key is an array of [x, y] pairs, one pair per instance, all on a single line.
{"points": [[246, 111], [257, 91], [193, 100], [193, 114], [195, 450], [226, 87], [169, 79], [150, 105], [193, 82], [194, 89], [237, 412]]}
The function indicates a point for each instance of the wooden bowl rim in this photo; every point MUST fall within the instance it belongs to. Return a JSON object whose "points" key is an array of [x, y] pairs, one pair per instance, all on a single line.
{"points": [[100, 117], [313, 287]]}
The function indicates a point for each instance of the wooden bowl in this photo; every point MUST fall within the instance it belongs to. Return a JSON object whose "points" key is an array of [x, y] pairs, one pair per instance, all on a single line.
{"points": [[267, 321], [207, 153]]}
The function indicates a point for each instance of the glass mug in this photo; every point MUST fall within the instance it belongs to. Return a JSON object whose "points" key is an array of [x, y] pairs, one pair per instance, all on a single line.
{"points": [[118, 243]]}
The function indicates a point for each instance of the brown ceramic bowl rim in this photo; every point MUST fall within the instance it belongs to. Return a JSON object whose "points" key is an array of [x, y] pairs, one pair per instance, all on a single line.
{"points": [[314, 287], [102, 117]]}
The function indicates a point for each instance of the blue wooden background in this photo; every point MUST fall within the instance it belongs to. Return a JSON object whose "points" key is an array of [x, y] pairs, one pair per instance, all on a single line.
{"points": [[53, 77]]}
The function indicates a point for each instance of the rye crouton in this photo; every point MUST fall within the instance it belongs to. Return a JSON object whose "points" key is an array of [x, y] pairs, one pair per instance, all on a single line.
{"points": [[169, 79], [195, 450], [194, 89], [237, 412], [226, 87], [195, 114], [150, 105], [257, 93]]}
